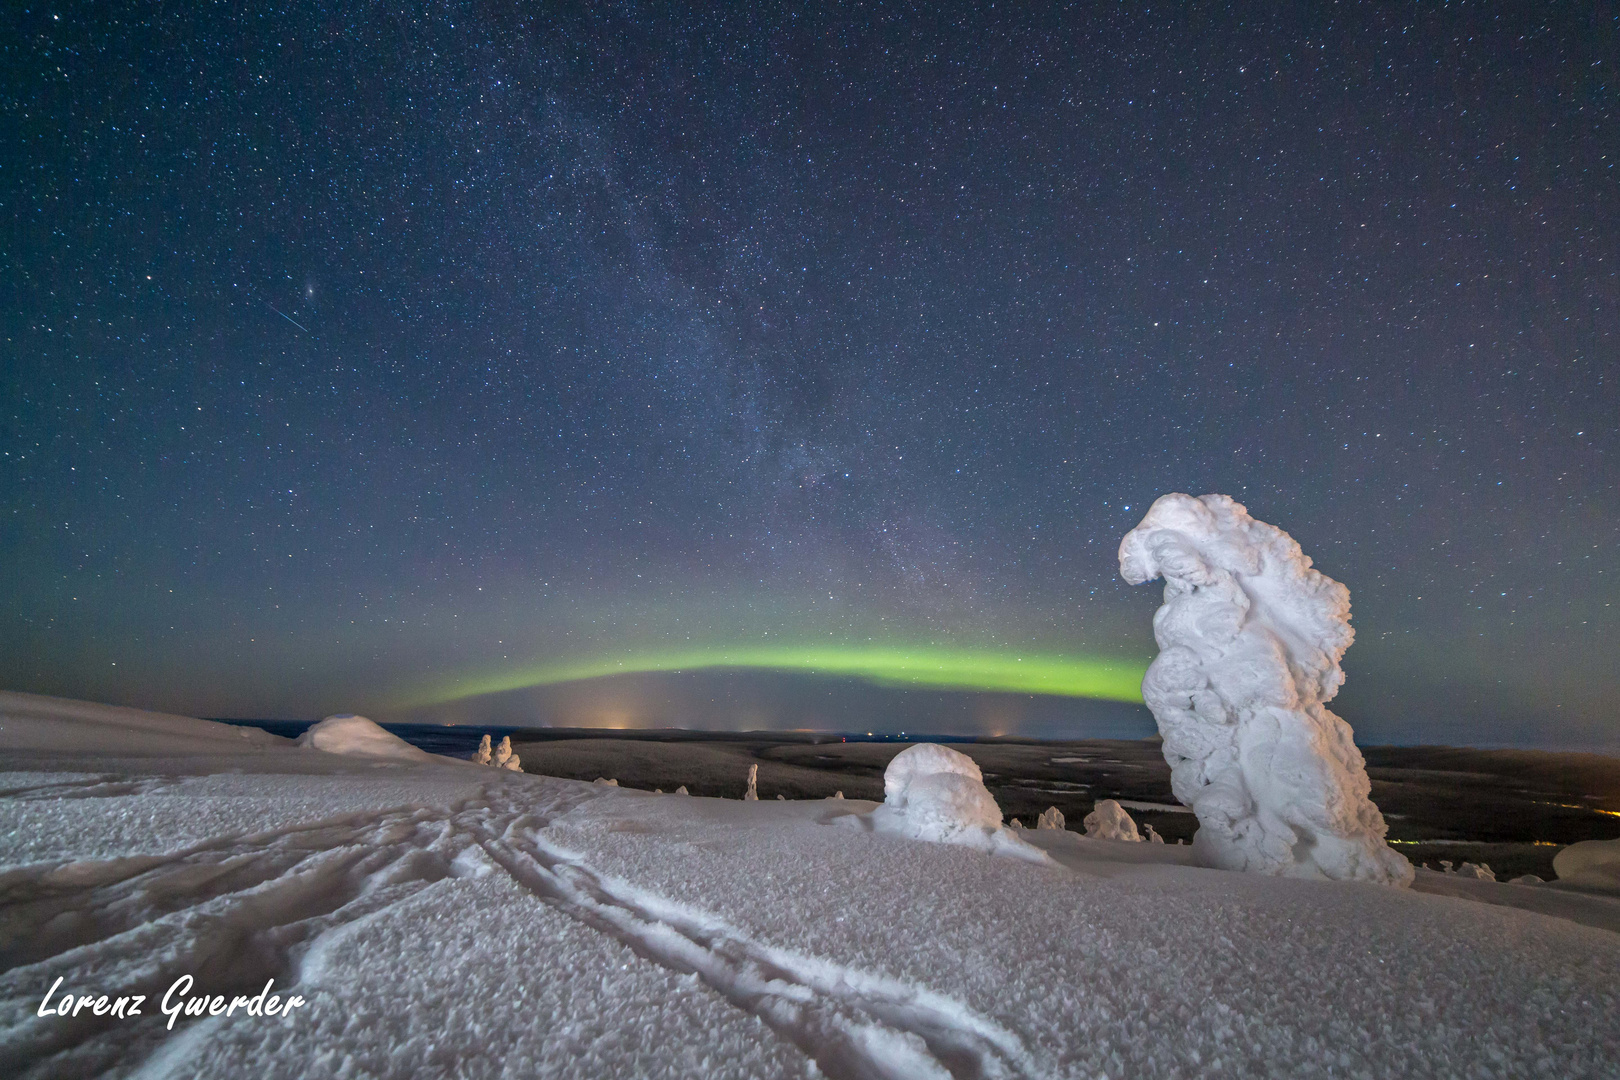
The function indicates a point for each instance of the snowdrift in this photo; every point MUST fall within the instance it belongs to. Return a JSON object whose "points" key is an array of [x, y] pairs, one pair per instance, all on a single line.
{"points": [[359, 737], [34, 722]]}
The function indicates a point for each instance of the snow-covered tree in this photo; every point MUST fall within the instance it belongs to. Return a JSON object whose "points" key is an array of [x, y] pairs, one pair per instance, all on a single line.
{"points": [[1250, 639], [1109, 821]]}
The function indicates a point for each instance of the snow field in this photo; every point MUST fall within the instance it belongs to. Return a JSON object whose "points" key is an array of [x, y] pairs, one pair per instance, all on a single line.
{"points": [[448, 921]]}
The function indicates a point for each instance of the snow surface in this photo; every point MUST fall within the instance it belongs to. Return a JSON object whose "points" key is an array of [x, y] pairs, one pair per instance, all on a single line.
{"points": [[347, 733], [1250, 639], [445, 921]]}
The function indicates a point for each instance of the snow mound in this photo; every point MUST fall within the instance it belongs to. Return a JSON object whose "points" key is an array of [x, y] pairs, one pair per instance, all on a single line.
{"points": [[358, 737], [1590, 864], [1109, 821], [939, 789], [931, 792], [1250, 639]]}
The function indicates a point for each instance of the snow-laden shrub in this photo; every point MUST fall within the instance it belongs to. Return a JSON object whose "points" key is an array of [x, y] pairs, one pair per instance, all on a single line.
{"points": [[1250, 639], [1590, 864], [1109, 821], [1051, 818], [752, 794], [936, 786]]}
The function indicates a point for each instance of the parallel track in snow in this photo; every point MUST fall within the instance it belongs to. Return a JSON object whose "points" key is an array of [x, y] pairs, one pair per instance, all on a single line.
{"points": [[235, 911]]}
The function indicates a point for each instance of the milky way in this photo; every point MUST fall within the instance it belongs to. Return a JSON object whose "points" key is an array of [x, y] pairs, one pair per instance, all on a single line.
{"points": [[356, 354]]}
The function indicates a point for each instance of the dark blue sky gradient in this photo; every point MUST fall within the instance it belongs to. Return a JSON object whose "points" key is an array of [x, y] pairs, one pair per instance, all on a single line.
{"points": [[347, 346]]}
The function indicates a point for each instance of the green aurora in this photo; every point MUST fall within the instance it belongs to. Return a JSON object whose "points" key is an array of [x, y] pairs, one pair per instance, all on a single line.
{"points": [[945, 669]]}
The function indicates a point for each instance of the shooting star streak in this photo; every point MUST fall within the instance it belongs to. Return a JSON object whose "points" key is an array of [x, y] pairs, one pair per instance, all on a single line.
{"points": [[289, 318]]}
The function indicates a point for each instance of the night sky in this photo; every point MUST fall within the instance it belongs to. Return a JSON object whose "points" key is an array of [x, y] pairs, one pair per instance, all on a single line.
{"points": [[365, 358]]}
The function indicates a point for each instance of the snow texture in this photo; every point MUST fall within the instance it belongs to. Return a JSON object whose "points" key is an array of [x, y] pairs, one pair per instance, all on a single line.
{"points": [[1109, 821], [356, 736], [443, 921], [1051, 818], [1590, 864], [1250, 639]]}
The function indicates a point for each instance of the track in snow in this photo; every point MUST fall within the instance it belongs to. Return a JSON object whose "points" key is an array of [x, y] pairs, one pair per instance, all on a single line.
{"points": [[236, 911], [857, 1026]]}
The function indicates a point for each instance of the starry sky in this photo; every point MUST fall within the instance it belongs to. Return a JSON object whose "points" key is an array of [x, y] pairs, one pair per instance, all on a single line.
{"points": [[782, 366]]}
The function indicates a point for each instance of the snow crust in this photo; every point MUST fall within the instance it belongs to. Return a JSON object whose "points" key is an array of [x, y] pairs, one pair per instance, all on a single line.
{"points": [[1250, 638], [354, 735], [1109, 821]]}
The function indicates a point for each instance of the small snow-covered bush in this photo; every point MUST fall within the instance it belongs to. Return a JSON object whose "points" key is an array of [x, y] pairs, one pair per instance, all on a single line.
{"points": [[931, 792], [939, 790], [752, 794], [1051, 818], [1590, 864], [1109, 821]]}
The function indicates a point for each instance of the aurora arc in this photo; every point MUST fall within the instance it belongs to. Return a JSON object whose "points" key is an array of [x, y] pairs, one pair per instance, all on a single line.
{"points": [[944, 669]]}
